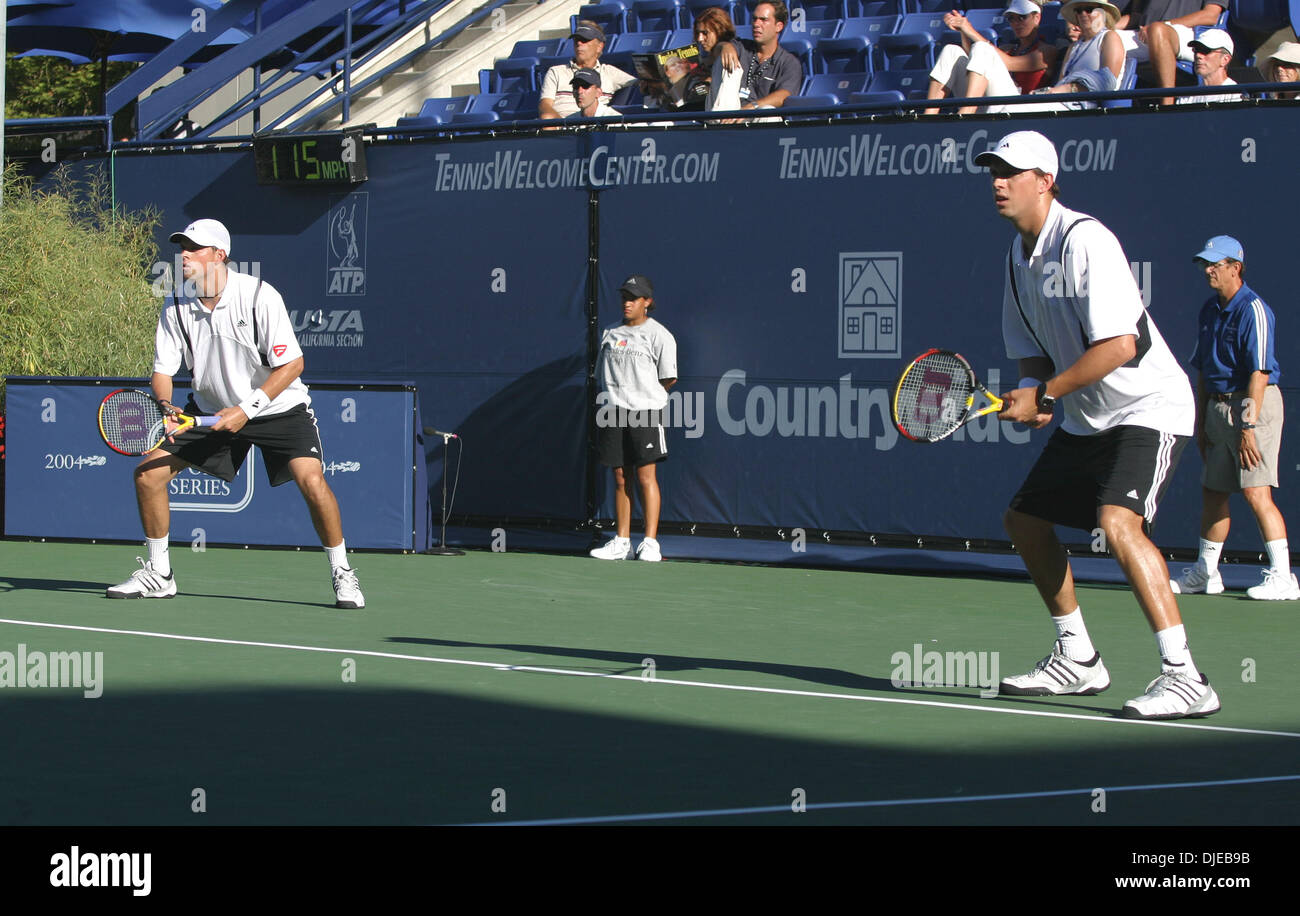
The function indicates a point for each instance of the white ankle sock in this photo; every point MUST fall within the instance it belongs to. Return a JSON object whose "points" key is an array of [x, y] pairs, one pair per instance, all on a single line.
{"points": [[159, 557]]}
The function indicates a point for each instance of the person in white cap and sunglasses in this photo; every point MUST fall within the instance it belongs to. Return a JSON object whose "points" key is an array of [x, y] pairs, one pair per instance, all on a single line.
{"points": [[1072, 315], [233, 332], [1239, 423], [1160, 32], [1212, 51], [967, 70]]}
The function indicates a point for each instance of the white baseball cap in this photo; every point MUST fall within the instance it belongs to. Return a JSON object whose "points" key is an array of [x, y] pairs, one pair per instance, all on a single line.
{"points": [[1212, 40], [206, 233], [1024, 149], [1023, 7]]}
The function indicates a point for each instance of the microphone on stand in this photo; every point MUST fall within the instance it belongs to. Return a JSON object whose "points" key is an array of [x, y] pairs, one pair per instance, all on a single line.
{"points": [[442, 550]]}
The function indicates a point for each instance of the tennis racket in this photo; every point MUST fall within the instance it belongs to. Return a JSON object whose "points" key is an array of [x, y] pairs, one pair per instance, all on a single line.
{"points": [[133, 423], [936, 394]]}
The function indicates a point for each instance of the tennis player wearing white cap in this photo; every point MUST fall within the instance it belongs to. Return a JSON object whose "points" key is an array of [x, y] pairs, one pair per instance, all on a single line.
{"points": [[233, 332], [1073, 317]]}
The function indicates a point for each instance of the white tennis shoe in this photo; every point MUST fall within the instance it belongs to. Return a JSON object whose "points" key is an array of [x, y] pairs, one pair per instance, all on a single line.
{"points": [[1195, 580], [347, 591], [1174, 695], [1056, 676], [648, 549], [613, 549], [145, 582], [1275, 587]]}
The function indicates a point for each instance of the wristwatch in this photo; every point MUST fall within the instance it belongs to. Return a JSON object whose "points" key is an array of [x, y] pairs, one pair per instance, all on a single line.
{"points": [[1046, 403]]}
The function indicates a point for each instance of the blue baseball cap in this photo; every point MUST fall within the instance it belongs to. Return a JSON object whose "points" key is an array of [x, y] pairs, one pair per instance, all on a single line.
{"points": [[1220, 247]]}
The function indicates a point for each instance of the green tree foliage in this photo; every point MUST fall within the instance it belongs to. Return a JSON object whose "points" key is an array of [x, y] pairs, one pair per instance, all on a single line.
{"points": [[50, 87], [76, 294]]}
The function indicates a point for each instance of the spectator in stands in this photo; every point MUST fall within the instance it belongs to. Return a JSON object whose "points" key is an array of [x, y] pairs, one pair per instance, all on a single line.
{"points": [[1161, 31], [1284, 67], [964, 70], [1212, 50], [714, 30], [770, 74], [587, 95], [588, 44], [1093, 63]]}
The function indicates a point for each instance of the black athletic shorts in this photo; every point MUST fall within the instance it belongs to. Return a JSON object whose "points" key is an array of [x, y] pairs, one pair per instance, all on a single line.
{"points": [[1075, 476], [640, 441], [281, 438]]}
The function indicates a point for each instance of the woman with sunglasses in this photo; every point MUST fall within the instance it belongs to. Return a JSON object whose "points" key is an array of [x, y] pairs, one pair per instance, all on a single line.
{"points": [[1093, 63]]}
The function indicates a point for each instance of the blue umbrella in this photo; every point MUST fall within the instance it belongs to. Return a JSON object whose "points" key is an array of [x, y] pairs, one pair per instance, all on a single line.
{"points": [[82, 31], [108, 29]]}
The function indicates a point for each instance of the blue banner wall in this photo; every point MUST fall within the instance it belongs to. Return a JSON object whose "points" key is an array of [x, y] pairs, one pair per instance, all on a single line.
{"points": [[798, 266], [62, 481]]}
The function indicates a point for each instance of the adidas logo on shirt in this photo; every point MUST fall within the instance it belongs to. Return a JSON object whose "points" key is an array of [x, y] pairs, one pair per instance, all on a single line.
{"points": [[1132, 494]]}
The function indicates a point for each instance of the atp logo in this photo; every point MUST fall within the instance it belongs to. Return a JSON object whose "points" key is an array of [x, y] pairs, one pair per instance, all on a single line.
{"points": [[346, 255], [871, 304]]}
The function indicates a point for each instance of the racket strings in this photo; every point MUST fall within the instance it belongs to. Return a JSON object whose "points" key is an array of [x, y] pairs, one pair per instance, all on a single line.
{"points": [[130, 421], [934, 396]]}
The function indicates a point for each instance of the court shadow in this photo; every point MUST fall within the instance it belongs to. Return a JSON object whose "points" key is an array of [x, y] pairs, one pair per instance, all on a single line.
{"points": [[430, 753]]}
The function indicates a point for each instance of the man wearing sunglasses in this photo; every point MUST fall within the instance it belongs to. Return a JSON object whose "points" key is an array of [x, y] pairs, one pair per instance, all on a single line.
{"points": [[557, 99], [1160, 32]]}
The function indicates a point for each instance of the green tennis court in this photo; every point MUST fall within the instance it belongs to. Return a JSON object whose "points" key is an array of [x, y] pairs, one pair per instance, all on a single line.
{"points": [[514, 687]]}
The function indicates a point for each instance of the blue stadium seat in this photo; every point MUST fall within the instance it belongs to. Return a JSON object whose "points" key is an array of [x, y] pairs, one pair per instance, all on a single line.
{"points": [[869, 27], [435, 112], [1264, 16], [876, 98], [929, 23], [637, 43], [680, 38], [655, 16], [1127, 80], [628, 99], [928, 6], [473, 118], [1050, 26], [497, 102], [856, 9], [811, 101], [985, 20], [801, 48], [913, 84], [839, 85], [525, 109], [612, 17], [514, 74], [744, 31], [905, 51], [817, 9], [693, 8], [842, 55], [547, 48], [814, 30]]}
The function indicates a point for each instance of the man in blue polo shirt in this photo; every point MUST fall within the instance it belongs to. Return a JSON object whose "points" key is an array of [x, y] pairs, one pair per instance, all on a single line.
{"points": [[1238, 423]]}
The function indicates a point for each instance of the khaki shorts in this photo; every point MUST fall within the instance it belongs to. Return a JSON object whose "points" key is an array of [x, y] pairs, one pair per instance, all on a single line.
{"points": [[1223, 471]]}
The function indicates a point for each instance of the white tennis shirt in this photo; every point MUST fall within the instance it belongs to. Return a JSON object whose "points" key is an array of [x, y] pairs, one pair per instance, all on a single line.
{"points": [[1082, 295], [227, 360]]}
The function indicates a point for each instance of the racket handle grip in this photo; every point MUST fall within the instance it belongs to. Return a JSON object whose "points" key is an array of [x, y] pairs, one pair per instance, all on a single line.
{"points": [[206, 421]]}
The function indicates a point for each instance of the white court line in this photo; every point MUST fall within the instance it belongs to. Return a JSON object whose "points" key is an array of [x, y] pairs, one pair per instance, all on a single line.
{"points": [[879, 803], [816, 694]]}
